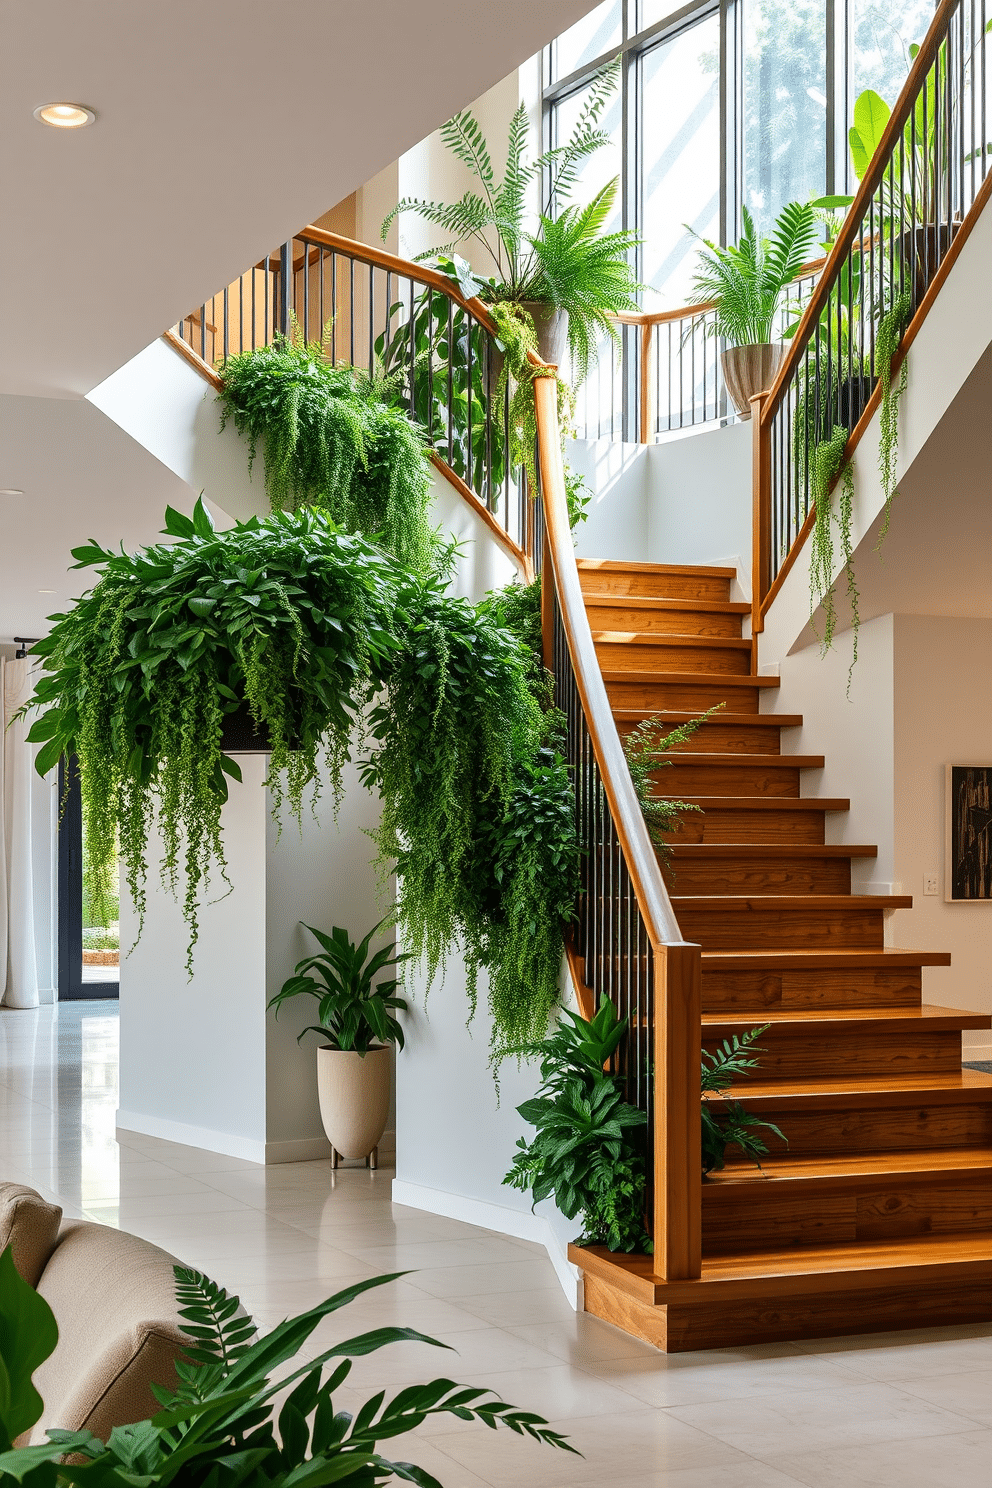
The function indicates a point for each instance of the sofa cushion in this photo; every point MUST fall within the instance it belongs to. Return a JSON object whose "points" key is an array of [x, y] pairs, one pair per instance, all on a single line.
{"points": [[113, 1296], [30, 1226]]}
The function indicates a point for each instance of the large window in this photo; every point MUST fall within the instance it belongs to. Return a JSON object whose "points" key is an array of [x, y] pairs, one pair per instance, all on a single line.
{"points": [[725, 104]]}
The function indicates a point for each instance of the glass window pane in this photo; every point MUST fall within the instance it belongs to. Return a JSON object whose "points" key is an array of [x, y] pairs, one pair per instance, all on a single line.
{"points": [[589, 38], [605, 164], [680, 164], [785, 105], [884, 30]]}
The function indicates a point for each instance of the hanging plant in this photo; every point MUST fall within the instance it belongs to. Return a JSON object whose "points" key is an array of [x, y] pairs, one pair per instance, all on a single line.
{"points": [[826, 464], [331, 438], [478, 813], [286, 614], [890, 331], [516, 339]]}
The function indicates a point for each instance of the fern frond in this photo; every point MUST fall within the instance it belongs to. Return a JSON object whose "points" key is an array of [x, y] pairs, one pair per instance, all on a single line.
{"points": [[221, 1329], [731, 1060]]}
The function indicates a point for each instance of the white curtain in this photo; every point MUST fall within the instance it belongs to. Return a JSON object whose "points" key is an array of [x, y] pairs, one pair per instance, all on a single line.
{"points": [[28, 821]]}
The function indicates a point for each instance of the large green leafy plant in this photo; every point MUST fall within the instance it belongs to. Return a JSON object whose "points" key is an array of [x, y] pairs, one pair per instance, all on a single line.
{"points": [[333, 439], [287, 615], [568, 261], [219, 1427], [478, 813], [588, 1149], [354, 1010], [748, 280]]}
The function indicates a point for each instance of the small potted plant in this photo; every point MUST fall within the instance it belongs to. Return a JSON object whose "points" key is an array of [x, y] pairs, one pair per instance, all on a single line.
{"points": [[745, 283], [356, 1023]]}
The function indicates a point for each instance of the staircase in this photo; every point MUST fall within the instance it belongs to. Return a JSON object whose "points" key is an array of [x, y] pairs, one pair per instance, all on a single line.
{"points": [[878, 1214]]}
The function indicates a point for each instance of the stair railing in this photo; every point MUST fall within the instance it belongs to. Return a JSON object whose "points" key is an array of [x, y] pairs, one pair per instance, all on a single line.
{"points": [[921, 193]]}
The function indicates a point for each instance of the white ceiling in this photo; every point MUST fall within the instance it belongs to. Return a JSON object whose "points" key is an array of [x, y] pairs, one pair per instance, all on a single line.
{"points": [[222, 127]]}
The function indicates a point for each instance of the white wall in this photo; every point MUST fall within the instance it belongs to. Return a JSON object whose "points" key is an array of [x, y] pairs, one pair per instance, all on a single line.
{"points": [[943, 716], [686, 500]]}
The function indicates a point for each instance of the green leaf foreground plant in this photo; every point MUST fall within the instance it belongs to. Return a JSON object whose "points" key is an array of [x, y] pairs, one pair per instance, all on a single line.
{"points": [[748, 279], [219, 1426], [569, 262], [735, 1126], [331, 438], [354, 1011], [588, 1152], [287, 613], [478, 813]]}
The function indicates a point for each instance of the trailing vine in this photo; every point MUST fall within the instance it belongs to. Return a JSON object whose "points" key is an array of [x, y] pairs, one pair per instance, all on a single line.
{"points": [[288, 616], [890, 331], [827, 463], [516, 339], [478, 816], [331, 438]]}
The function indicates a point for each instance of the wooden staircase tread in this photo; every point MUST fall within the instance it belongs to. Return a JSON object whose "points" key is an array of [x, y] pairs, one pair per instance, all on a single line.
{"points": [[674, 639], [649, 602], [784, 902], [706, 850], [762, 803], [925, 1164], [928, 1017], [713, 759], [833, 1265], [723, 718], [690, 679], [622, 565], [964, 1083], [816, 960]]}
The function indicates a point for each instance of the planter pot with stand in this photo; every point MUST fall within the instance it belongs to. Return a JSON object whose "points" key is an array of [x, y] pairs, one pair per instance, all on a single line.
{"points": [[353, 1090]]}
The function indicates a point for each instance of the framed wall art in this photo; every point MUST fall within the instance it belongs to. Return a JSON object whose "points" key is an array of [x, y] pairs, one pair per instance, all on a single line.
{"points": [[968, 856]]}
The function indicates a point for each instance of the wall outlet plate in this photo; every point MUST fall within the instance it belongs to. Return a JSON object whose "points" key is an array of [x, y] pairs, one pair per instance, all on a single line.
{"points": [[930, 884]]}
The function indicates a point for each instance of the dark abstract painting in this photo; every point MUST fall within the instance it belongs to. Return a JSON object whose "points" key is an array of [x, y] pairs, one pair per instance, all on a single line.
{"points": [[970, 836]]}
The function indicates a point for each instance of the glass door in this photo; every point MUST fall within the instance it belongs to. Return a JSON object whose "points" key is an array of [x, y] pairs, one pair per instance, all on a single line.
{"points": [[89, 934]]}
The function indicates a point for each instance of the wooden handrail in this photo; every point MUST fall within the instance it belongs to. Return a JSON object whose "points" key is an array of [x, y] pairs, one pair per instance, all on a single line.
{"points": [[677, 1052], [851, 227]]}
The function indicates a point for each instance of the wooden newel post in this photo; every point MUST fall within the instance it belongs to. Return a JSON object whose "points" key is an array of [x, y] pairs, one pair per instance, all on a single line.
{"points": [[678, 1155], [761, 488]]}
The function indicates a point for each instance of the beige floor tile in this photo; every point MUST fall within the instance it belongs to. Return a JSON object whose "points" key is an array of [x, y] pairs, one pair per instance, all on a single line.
{"points": [[817, 1420], [655, 1382], [968, 1394], [509, 1276], [546, 1304], [960, 1461], [897, 1356], [581, 1339]]}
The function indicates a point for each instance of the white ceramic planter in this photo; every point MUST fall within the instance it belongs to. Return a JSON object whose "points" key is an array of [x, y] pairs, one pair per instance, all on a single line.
{"points": [[353, 1090], [750, 369]]}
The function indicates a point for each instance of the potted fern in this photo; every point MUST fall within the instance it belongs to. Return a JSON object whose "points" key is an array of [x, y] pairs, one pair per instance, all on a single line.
{"points": [[745, 283], [568, 276], [355, 1021]]}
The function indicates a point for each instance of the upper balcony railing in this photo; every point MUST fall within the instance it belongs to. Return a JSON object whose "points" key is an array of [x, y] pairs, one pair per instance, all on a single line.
{"points": [[407, 323], [922, 190]]}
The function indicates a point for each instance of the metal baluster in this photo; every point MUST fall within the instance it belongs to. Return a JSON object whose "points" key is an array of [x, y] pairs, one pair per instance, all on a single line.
{"points": [[334, 307]]}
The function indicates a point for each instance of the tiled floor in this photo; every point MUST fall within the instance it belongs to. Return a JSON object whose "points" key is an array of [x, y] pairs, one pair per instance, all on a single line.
{"points": [[913, 1410]]}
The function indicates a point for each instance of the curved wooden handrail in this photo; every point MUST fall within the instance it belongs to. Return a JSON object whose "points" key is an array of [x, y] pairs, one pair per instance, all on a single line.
{"points": [[852, 225]]}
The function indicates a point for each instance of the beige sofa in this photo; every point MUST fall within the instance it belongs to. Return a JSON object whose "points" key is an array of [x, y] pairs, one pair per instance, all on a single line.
{"points": [[113, 1297]]}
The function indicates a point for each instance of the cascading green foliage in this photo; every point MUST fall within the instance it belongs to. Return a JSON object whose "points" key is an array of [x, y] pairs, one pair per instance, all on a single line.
{"points": [[588, 1152], [890, 331], [478, 814], [517, 339], [288, 613], [219, 1428], [331, 438], [826, 463], [647, 750], [735, 1125]]}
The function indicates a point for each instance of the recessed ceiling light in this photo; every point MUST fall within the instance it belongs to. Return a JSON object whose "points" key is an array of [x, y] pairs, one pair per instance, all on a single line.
{"points": [[47, 591], [10, 491], [64, 115]]}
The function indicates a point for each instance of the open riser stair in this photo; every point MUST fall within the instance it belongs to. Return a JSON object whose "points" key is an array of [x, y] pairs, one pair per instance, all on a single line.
{"points": [[878, 1213]]}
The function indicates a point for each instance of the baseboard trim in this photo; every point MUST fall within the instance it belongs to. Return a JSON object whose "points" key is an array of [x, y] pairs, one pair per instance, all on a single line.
{"points": [[228, 1145], [976, 1045], [520, 1223], [306, 1149]]}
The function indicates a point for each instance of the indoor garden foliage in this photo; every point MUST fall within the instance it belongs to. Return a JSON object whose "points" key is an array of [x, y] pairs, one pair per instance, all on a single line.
{"points": [[332, 438], [224, 1423], [317, 638]]}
